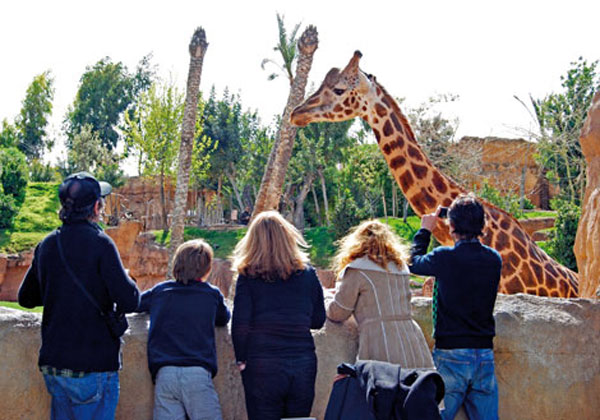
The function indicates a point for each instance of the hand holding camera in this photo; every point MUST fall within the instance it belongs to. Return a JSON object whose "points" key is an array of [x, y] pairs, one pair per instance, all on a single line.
{"points": [[429, 221]]}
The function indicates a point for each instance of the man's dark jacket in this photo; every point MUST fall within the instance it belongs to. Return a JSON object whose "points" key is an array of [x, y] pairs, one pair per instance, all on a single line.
{"points": [[376, 390], [74, 334], [467, 276]]}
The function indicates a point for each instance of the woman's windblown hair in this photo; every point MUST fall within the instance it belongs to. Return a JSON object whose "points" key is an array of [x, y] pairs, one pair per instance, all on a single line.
{"points": [[271, 249], [374, 240]]}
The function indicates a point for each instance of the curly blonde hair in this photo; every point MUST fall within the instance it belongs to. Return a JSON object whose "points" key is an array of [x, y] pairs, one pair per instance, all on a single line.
{"points": [[374, 240], [271, 249]]}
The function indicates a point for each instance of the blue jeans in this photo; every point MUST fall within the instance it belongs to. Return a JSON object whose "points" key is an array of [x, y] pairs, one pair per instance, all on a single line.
{"points": [[470, 380], [93, 397], [185, 392], [279, 388]]}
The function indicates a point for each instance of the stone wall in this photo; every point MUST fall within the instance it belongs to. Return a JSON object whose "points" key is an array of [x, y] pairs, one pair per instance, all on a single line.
{"points": [[587, 241], [547, 361], [505, 163], [12, 270]]}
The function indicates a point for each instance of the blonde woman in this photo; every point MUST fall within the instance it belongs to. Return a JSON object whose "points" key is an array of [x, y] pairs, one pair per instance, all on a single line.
{"points": [[278, 300], [372, 266]]}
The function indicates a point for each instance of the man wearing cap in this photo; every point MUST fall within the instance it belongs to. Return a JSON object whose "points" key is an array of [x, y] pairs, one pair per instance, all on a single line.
{"points": [[77, 275]]}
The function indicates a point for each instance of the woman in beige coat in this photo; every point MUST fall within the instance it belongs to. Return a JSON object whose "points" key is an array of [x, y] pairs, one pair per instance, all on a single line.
{"points": [[371, 265]]}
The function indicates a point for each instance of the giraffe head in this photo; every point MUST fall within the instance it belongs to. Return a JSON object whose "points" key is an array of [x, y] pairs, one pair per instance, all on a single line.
{"points": [[340, 97]]}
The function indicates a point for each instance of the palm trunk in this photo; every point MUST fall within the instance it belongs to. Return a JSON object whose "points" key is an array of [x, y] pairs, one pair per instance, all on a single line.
{"points": [[219, 200], [384, 203], [236, 191], [317, 208], [394, 200], [197, 50], [405, 210], [262, 200], [200, 209], [299, 208], [286, 207], [270, 188], [324, 192]]}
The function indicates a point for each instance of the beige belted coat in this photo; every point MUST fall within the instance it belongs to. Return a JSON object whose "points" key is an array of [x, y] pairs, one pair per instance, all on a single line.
{"points": [[380, 302]]}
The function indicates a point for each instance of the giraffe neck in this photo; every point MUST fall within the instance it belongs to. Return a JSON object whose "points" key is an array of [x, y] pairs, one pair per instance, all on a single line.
{"points": [[424, 185]]}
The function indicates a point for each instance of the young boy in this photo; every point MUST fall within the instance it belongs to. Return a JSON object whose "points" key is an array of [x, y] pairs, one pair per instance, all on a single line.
{"points": [[181, 342]]}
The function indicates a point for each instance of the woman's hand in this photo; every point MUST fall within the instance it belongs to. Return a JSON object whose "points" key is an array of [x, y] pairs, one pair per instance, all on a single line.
{"points": [[241, 365]]}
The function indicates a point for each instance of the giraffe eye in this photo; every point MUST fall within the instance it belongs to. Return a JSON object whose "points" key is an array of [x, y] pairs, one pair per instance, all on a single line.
{"points": [[338, 91]]}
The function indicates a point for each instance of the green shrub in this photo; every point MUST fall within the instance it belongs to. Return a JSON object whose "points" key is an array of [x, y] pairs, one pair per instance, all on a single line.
{"points": [[322, 247], [346, 213], [14, 171], [562, 238], [507, 202], [8, 209], [40, 172]]}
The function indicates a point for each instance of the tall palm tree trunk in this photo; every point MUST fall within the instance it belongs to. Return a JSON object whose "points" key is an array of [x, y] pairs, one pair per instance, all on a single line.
{"points": [[316, 200], [324, 192], [197, 50], [299, 201], [272, 182]]}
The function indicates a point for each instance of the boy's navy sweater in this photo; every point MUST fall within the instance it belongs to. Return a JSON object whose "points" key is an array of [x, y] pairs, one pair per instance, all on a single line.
{"points": [[74, 334], [274, 319], [467, 276], [182, 324]]}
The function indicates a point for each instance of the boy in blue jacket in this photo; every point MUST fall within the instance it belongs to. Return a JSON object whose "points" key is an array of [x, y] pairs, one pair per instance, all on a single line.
{"points": [[182, 354]]}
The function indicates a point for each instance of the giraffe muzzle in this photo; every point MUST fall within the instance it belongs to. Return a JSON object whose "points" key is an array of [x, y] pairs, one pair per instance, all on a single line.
{"points": [[299, 118]]}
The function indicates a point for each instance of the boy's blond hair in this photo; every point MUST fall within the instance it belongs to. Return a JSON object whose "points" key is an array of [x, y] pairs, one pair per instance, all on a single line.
{"points": [[193, 260]]}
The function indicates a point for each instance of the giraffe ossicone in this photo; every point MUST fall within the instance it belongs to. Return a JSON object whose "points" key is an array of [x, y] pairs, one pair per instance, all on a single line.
{"points": [[350, 93]]}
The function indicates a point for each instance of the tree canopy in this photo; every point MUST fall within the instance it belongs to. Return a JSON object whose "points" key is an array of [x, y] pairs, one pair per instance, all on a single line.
{"points": [[106, 90], [32, 121]]}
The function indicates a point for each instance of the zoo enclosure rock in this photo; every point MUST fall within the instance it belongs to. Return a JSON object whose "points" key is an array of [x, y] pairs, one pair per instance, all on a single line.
{"points": [[587, 241], [547, 362]]}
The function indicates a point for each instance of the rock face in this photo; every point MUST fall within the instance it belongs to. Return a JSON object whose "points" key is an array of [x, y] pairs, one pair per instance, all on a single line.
{"points": [[147, 261], [587, 241], [139, 199], [537, 223], [12, 271], [507, 164], [547, 362]]}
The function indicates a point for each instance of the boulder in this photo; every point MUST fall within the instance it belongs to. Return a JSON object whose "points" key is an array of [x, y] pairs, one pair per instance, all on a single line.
{"points": [[587, 241], [547, 361], [536, 223], [12, 270], [507, 164]]}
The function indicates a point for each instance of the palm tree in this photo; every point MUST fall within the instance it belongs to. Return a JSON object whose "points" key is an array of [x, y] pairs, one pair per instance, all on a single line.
{"points": [[274, 176], [197, 49]]}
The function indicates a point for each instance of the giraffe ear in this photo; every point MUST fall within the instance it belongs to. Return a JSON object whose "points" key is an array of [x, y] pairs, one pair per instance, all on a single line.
{"points": [[352, 67]]}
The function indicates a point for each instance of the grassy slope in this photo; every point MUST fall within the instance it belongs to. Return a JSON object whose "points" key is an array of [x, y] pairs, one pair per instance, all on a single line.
{"points": [[15, 305], [36, 218]]}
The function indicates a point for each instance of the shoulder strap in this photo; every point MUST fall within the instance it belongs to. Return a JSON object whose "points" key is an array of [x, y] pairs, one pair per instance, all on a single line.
{"points": [[73, 276]]}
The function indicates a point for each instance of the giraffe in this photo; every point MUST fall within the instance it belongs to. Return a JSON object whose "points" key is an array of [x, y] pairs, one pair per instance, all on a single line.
{"points": [[352, 93]]}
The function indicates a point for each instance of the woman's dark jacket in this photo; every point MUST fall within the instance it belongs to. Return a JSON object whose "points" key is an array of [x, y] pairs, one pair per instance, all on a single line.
{"points": [[274, 319]]}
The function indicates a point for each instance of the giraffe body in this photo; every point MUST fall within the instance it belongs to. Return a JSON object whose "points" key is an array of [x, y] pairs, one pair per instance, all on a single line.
{"points": [[350, 93]]}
